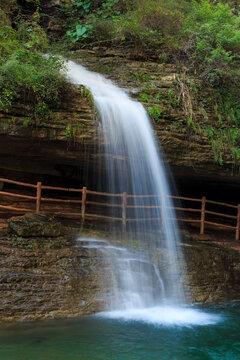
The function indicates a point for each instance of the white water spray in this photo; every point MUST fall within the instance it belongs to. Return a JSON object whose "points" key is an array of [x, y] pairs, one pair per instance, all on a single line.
{"points": [[134, 166]]}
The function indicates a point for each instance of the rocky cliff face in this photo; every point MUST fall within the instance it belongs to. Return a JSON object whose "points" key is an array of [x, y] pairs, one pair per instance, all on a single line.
{"points": [[44, 275], [67, 148], [212, 271], [57, 149], [182, 115]]}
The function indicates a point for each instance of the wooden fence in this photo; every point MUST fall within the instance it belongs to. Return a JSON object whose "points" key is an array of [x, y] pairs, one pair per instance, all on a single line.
{"points": [[124, 205]]}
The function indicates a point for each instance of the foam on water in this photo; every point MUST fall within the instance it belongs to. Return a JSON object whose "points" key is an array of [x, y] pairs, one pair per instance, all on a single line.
{"points": [[165, 316]]}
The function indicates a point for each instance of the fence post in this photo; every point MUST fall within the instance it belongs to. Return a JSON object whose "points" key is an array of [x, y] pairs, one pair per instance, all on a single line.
{"points": [[38, 198], [238, 223], [203, 215], [84, 196], [124, 211], [163, 208]]}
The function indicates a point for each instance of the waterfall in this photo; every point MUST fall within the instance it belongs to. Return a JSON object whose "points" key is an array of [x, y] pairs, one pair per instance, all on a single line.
{"points": [[135, 166]]}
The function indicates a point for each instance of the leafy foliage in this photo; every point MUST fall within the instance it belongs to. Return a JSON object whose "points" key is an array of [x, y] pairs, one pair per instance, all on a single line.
{"points": [[202, 36], [80, 32], [213, 41], [155, 113], [26, 73]]}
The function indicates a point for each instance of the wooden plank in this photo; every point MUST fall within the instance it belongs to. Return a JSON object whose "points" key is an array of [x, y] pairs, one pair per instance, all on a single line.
{"points": [[143, 196], [103, 204], [45, 187], [163, 212], [38, 197], [222, 204], [17, 195], [203, 208], [221, 225], [185, 209], [144, 219], [159, 207], [124, 211], [220, 214], [62, 200], [16, 209], [84, 196], [184, 198], [186, 220], [103, 217], [143, 207], [103, 193], [17, 183], [159, 219], [159, 196], [238, 223]]}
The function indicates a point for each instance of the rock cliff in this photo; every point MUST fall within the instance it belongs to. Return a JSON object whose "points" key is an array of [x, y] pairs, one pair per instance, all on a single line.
{"points": [[67, 146], [43, 273]]}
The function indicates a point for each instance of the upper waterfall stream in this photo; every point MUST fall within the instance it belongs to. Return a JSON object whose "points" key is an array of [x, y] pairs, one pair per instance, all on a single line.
{"points": [[135, 166]]}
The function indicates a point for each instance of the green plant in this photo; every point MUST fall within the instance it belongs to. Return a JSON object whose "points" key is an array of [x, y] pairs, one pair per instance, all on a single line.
{"points": [[20, 242], [213, 36], [155, 113], [141, 76], [68, 131], [158, 97], [225, 143], [6, 99], [85, 92], [78, 128], [144, 97], [170, 95], [52, 243], [85, 19], [26, 73], [203, 112], [26, 121], [191, 124], [80, 32], [173, 99], [31, 246]]}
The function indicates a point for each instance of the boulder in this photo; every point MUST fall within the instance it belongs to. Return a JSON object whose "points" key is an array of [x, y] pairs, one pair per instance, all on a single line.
{"points": [[40, 224]]}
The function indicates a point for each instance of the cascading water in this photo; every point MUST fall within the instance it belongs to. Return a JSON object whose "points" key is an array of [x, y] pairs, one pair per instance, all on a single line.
{"points": [[134, 166]]}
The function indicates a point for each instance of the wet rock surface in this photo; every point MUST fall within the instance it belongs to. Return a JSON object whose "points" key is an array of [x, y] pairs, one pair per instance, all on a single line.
{"points": [[47, 277], [212, 271]]}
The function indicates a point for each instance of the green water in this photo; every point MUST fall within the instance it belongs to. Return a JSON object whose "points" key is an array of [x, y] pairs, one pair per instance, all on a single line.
{"points": [[99, 338]]}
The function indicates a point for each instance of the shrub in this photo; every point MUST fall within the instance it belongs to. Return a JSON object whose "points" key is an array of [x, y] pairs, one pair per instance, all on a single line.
{"points": [[143, 23], [213, 41], [87, 19], [26, 73], [150, 25]]}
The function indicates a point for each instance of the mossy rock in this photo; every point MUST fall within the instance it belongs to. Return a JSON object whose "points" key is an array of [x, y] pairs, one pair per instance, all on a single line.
{"points": [[31, 225]]}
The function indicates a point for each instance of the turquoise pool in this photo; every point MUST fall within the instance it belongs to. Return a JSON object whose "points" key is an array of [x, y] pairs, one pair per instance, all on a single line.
{"points": [[136, 336]]}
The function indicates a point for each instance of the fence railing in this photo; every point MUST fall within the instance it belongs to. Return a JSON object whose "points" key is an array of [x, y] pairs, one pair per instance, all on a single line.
{"points": [[124, 205]]}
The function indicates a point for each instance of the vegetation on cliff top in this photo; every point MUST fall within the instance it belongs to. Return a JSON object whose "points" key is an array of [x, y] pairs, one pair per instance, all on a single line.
{"points": [[25, 72], [200, 35]]}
